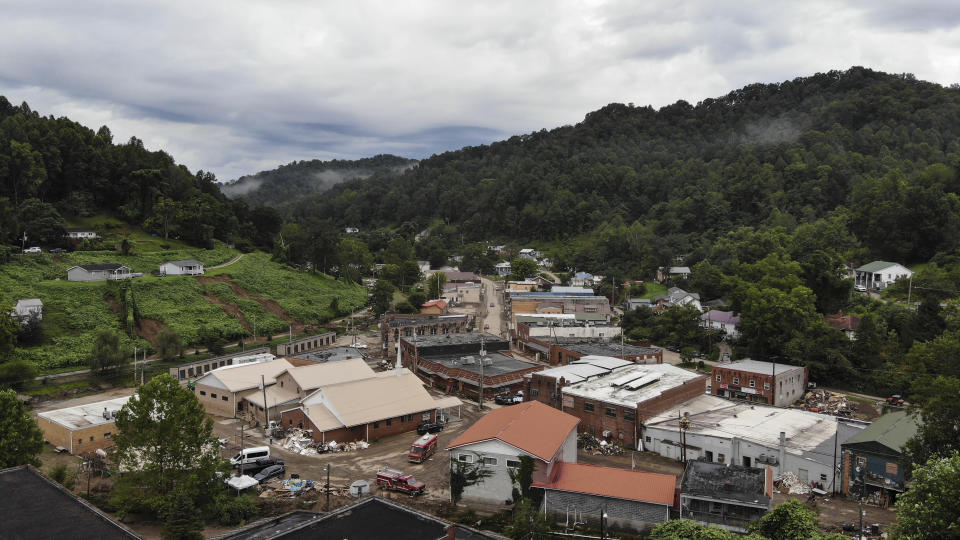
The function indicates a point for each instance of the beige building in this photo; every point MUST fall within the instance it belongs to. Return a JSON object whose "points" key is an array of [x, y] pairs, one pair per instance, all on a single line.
{"points": [[221, 391], [83, 428]]}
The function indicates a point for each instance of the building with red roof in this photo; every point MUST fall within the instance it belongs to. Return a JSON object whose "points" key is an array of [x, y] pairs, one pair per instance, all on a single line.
{"points": [[434, 307], [498, 439], [634, 501]]}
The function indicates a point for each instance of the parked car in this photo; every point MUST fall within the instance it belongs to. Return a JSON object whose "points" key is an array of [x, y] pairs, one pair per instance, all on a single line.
{"points": [[895, 399], [258, 466], [508, 398], [33, 249], [429, 427], [273, 471], [860, 288]]}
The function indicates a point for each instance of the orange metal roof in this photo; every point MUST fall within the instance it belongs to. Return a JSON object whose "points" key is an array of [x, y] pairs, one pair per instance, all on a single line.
{"points": [[530, 426], [611, 482]]}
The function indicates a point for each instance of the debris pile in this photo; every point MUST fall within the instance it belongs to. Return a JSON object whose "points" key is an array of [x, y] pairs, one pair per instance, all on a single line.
{"points": [[825, 402], [789, 482], [300, 442], [598, 447]]}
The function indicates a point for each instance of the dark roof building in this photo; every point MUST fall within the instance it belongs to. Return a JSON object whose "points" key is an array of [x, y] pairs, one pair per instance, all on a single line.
{"points": [[372, 518], [35, 507], [333, 354], [727, 496], [569, 352], [876, 452]]}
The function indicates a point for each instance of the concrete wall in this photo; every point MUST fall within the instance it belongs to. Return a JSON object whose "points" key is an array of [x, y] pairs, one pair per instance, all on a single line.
{"points": [[310, 343], [212, 399], [78, 441], [623, 515], [498, 487]]}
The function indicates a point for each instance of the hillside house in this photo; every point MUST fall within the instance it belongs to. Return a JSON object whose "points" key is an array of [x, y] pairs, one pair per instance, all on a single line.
{"points": [[81, 234], [673, 272], [498, 439], [503, 269], [722, 321], [880, 274], [848, 324], [530, 254], [98, 272], [27, 308], [187, 267]]}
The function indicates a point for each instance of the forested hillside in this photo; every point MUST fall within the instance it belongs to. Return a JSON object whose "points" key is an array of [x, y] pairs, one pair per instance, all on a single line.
{"points": [[292, 182], [54, 169], [858, 144]]}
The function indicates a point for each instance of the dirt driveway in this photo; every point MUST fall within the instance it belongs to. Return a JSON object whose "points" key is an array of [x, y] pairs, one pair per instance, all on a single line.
{"points": [[347, 467]]}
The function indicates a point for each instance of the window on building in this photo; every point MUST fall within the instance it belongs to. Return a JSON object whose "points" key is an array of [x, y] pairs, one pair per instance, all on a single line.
{"points": [[213, 396], [376, 425], [224, 398], [490, 461], [203, 393], [736, 380], [718, 377], [823, 478], [611, 412], [91, 438], [389, 421], [766, 385], [753, 383], [629, 415], [106, 435], [721, 458], [534, 392], [465, 458], [513, 463], [425, 417], [892, 468], [588, 407], [646, 439], [182, 374]]}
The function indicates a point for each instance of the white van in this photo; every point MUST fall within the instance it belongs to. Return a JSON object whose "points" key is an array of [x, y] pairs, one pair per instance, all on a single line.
{"points": [[249, 455]]}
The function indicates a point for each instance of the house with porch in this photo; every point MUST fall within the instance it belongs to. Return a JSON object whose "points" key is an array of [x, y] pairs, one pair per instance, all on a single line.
{"points": [[880, 274], [98, 272], [187, 267]]}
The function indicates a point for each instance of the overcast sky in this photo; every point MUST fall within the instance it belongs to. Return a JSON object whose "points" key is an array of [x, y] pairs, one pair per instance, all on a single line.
{"points": [[237, 87]]}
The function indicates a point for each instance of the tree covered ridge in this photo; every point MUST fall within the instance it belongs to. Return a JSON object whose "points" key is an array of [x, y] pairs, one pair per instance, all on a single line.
{"points": [[857, 140], [52, 168], [288, 183]]}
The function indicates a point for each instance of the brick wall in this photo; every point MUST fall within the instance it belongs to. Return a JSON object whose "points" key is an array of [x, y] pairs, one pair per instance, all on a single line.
{"points": [[297, 418], [83, 440]]}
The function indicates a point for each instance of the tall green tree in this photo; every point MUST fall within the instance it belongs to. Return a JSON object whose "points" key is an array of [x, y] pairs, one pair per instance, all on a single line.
{"points": [[381, 297], [522, 268], [930, 509], [935, 404], [166, 446], [169, 344], [108, 353], [790, 520], [20, 439]]}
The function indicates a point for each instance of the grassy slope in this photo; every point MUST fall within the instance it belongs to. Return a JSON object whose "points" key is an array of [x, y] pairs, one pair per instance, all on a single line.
{"points": [[74, 312]]}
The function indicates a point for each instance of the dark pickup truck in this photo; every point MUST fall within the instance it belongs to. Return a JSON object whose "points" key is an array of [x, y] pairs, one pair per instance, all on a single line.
{"points": [[251, 469]]}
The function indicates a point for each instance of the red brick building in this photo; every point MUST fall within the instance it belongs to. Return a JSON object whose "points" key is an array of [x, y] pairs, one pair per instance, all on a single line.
{"points": [[611, 396], [753, 380]]}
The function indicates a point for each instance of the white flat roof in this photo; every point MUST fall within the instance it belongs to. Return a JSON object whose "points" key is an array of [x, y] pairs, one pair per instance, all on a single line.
{"points": [[84, 416], [757, 366], [718, 417], [610, 388]]}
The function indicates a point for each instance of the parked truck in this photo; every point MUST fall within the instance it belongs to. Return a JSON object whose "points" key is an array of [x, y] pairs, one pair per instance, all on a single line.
{"points": [[397, 481], [422, 448]]}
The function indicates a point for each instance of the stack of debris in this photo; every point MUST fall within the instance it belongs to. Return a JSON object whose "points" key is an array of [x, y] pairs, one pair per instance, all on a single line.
{"points": [[789, 482], [598, 447], [825, 402], [298, 442]]}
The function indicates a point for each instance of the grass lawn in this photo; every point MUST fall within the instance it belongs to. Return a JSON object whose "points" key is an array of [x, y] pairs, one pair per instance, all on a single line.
{"points": [[654, 289]]}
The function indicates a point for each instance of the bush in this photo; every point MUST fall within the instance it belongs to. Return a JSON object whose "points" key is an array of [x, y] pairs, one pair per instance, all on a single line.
{"points": [[232, 511], [59, 473], [17, 373]]}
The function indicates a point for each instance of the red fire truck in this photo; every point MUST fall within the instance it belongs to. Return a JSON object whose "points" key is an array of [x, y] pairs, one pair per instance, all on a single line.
{"points": [[423, 448], [397, 481]]}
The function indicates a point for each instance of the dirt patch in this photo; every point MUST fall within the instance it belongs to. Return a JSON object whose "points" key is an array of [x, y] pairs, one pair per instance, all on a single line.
{"points": [[836, 510], [114, 305], [150, 330], [230, 309], [221, 278]]}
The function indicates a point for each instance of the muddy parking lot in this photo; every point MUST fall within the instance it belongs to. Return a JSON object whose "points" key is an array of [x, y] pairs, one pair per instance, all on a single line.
{"points": [[347, 467]]}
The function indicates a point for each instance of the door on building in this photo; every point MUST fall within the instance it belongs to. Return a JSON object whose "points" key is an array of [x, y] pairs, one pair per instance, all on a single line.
{"points": [[803, 475], [746, 461], [709, 455]]}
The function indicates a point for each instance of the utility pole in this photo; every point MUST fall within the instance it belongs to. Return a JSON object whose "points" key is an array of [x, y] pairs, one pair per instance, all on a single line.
{"points": [[327, 487], [483, 356], [266, 407]]}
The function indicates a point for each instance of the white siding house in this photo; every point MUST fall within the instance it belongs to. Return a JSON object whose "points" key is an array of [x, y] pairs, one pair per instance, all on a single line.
{"points": [[181, 268], [98, 272], [881, 274]]}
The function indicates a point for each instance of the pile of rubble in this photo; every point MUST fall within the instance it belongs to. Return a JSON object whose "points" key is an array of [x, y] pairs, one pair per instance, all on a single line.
{"points": [[299, 441], [598, 447], [828, 403], [789, 482]]}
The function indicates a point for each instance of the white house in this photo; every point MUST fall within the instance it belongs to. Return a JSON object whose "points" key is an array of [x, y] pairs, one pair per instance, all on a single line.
{"points": [[581, 279], [27, 308], [881, 274], [351, 230], [530, 254], [502, 436], [664, 273], [721, 320], [187, 267], [503, 269], [98, 272], [81, 234]]}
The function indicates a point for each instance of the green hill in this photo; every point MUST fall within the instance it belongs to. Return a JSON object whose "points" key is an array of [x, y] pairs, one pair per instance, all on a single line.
{"points": [[227, 301]]}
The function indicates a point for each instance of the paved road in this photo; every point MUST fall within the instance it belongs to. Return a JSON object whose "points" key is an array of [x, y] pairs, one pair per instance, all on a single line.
{"points": [[492, 316]]}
